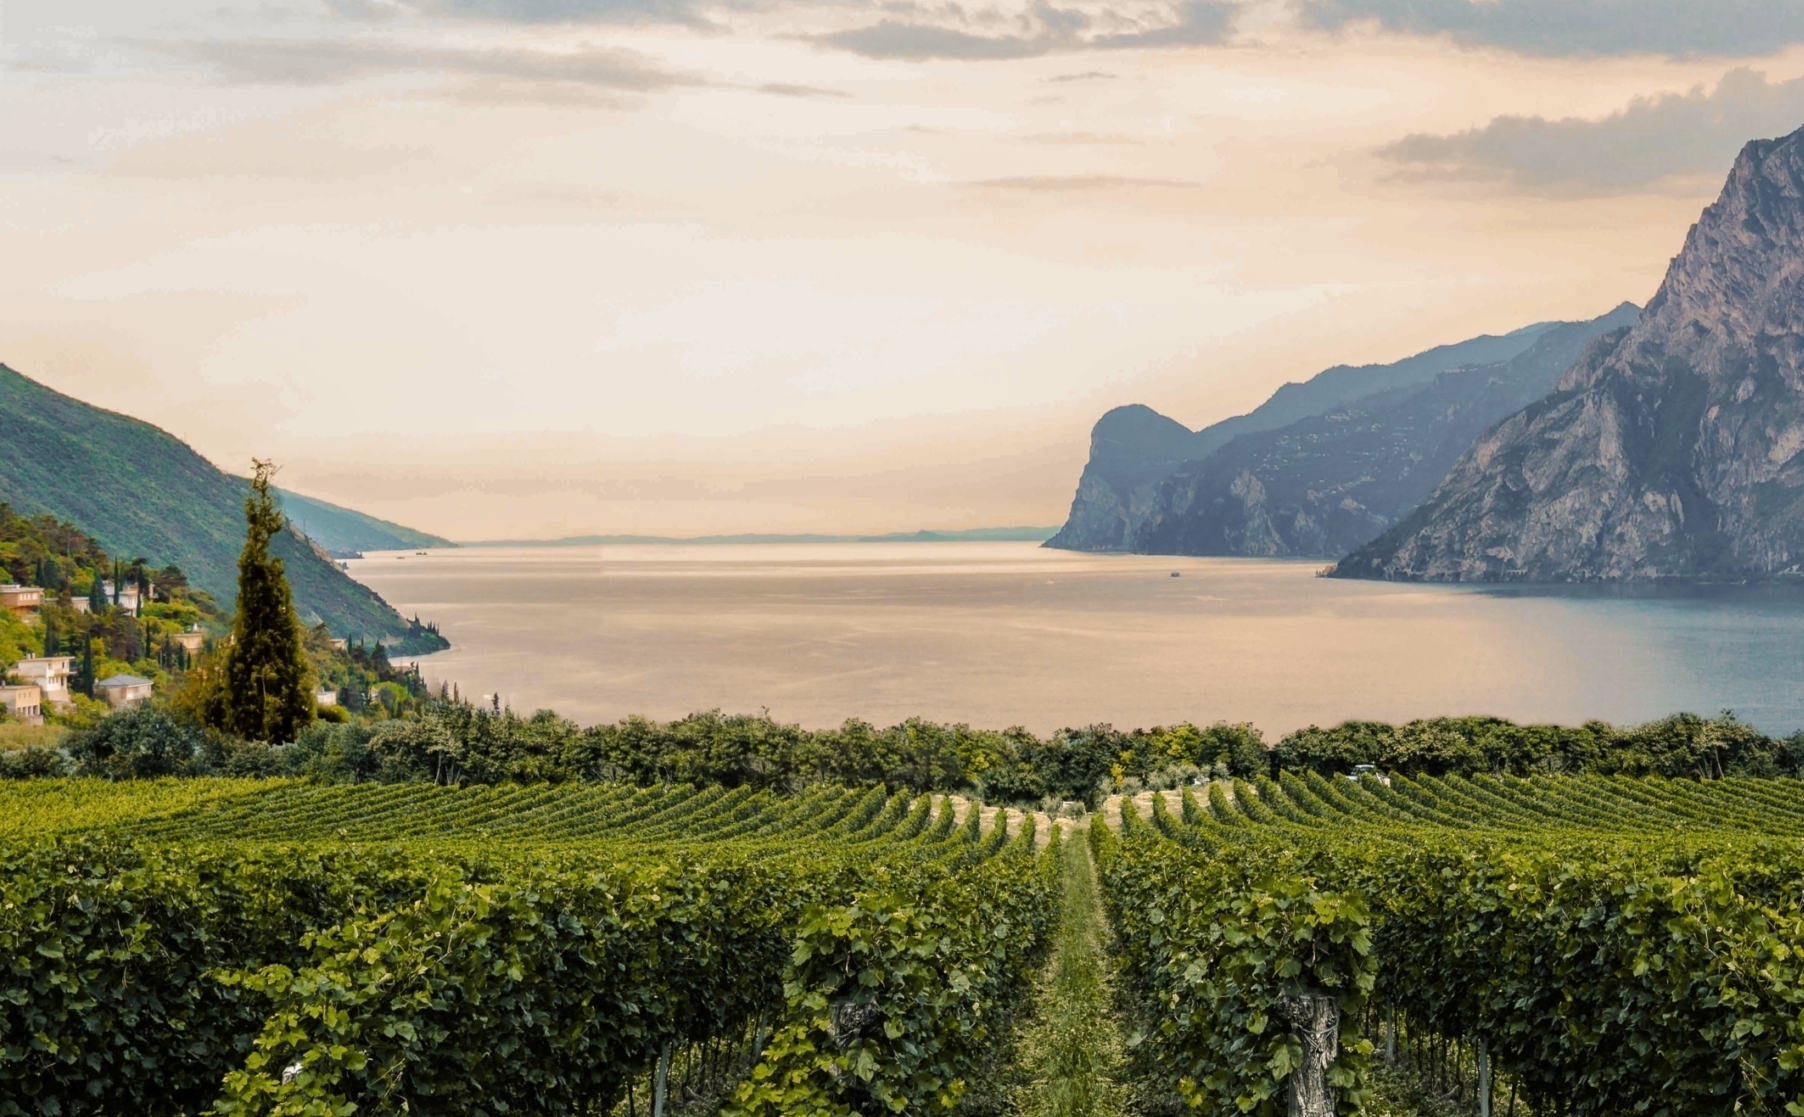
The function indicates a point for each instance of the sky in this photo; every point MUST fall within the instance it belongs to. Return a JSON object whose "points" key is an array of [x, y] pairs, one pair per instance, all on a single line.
{"points": [[530, 268]]}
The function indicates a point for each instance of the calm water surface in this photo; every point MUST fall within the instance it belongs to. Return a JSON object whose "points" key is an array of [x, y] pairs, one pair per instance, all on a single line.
{"points": [[999, 634]]}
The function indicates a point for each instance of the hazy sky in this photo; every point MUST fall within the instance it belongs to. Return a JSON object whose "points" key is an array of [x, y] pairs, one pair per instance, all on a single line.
{"points": [[536, 267]]}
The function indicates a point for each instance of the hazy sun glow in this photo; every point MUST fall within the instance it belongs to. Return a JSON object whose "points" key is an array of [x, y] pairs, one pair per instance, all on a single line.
{"points": [[500, 268]]}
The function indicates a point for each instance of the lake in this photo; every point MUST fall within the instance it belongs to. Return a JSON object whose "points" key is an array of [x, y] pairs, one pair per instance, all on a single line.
{"points": [[1000, 634]]}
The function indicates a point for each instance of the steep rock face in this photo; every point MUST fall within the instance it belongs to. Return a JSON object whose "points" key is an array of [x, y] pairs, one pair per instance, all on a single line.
{"points": [[1330, 483], [1131, 449], [1673, 451], [1134, 448]]}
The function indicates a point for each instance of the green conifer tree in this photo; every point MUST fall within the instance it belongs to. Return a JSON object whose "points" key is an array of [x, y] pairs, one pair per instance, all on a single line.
{"points": [[266, 691], [52, 642], [97, 595], [84, 678]]}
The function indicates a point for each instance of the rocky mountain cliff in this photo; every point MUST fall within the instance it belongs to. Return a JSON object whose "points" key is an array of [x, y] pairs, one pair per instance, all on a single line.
{"points": [[1335, 466], [1133, 448], [1672, 451]]}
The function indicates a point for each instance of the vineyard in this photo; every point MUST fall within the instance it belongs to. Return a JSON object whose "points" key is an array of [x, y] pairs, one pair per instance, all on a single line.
{"points": [[1530, 946], [241, 948], [1560, 946]]}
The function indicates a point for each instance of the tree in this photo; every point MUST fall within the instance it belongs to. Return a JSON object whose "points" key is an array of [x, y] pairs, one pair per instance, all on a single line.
{"points": [[97, 601], [84, 676], [143, 743], [265, 692]]}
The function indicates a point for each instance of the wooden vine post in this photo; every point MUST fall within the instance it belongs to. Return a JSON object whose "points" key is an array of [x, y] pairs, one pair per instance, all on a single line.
{"points": [[1314, 1018], [1484, 1080], [661, 1088]]}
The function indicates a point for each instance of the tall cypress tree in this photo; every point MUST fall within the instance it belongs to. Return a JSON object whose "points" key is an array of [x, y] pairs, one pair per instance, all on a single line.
{"points": [[84, 675], [267, 692], [97, 595]]}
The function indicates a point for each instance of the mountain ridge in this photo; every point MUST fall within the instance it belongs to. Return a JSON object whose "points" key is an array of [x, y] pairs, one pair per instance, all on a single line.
{"points": [[139, 490], [345, 532], [1675, 451], [1307, 487]]}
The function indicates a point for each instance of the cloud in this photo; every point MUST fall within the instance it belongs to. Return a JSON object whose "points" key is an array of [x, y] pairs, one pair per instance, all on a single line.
{"points": [[527, 11], [1087, 75], [1195, 23], [1576, 28], [914, 42], [1200, 23], [784, 89], [1652, 141], [1059, 184], [324, 62]]}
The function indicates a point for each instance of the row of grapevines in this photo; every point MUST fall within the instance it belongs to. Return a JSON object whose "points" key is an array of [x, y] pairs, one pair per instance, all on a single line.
{"points": [[1617, 946], [451, 969], [892, 998], [1219, 945]]}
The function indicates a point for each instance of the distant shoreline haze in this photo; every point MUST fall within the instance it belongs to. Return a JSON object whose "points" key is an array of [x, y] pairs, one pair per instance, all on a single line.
{"points": [[967, 535]]}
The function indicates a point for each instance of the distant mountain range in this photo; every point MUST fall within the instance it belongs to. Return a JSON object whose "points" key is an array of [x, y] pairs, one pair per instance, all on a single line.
{"points": [[142, 492], [1322, 466], [967, 535], [345, 532], [1674, 449]]}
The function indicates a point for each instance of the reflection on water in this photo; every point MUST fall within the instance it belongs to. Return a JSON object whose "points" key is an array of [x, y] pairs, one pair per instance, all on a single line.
{"points": [[999, 634]]}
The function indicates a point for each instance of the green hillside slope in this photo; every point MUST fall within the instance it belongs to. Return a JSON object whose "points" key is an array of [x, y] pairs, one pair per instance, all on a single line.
{"points": [[140, 491], [345, 531]]}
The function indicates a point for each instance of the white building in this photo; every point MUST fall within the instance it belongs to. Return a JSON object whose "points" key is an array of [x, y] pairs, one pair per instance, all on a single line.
{"points": [[128, 598], [23, 702], [21, 601], [124, 690], [50, 674]]}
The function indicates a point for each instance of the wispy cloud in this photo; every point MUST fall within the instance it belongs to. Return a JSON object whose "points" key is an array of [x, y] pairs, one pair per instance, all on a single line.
{"points": [[916, 42], [1573, 28], [1046, 29], [1059, 184], [321, 62], [528, 11], [1652, 141], [784, 89]]}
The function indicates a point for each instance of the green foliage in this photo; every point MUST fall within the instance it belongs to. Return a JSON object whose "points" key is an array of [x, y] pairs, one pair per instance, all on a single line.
{"points": [[343, 531], [265, 686], [140, 743], [1683, 745], [891, 999], [1620, 945], [324, 950], [143, 492], [1072, 1052], [1219, 941]]}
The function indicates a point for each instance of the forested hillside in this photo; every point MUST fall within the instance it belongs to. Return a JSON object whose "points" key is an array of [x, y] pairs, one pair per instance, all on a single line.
{"points": [[139, 491], [344, 532]]}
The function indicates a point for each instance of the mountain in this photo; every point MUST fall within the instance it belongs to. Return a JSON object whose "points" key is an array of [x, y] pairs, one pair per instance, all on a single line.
{"points": [[1330, 388], [956, 535], [1321, 466], [345, 532], [142, 492], [1675, 450]]}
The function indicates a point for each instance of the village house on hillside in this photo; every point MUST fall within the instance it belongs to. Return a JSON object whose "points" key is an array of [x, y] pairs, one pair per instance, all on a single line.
{"points": [[193, 641], [121, 691], [21, 601], [50, 675], [23, 702], [125, 597]]}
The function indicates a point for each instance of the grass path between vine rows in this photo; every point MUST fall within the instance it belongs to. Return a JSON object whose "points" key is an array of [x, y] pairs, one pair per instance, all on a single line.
{"points": [[1070, 1055]]}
